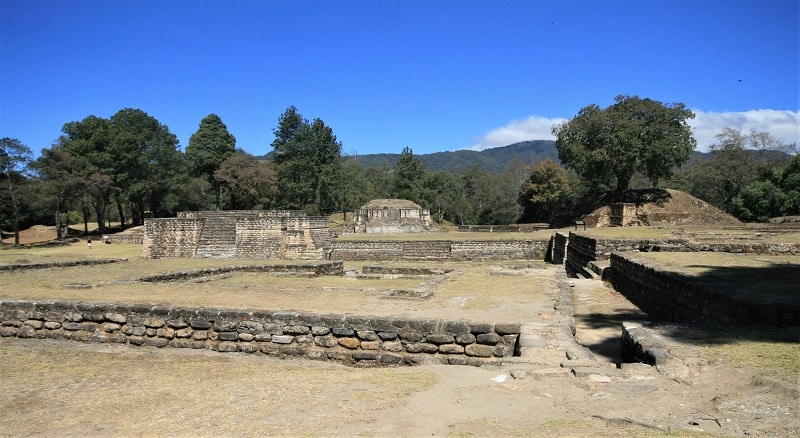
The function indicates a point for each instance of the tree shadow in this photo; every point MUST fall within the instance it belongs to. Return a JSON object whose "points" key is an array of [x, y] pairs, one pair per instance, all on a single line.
{"points": [[732, 304]]}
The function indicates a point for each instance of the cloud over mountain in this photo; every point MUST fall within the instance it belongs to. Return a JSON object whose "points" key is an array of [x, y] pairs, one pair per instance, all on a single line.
{"points": [[784, 125]]}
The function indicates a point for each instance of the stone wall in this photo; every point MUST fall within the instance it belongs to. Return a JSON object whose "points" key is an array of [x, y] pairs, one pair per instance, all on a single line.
{"points": [[559, 248], [353, 340], [438, 250], [245, 234], [675, 297]]}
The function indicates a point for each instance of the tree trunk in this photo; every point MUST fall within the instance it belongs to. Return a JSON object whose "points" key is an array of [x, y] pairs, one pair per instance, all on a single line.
{"points": [[121, 213], [59, 231]]}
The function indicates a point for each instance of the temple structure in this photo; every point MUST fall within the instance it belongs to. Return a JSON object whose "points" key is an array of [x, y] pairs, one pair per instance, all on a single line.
{"points": [[392, 216]]}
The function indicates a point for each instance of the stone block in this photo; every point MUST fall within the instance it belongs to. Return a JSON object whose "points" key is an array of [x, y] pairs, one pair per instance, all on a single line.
{"points": [[350, 343], [230, 336], [320, 330], [343, 331], [507, 328], [117, 318], [390, 359], [365, 355], [246, 337], [156, 342], [371, 345], [367, 335], [153, 322], [388, 336], [282, 339], [421, 347], [488, 339], [480, 328], [52, 325], [439, 339], [228, 347], [451, 349], [477, 350]]}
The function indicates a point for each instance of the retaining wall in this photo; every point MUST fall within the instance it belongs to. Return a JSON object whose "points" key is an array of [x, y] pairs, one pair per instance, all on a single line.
{"points": [[439, 250], [353, 340], [673, 296]]}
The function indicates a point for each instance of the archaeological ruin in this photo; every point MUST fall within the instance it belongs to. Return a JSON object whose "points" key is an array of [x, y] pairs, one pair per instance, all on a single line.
{"points": [[392, 216]]}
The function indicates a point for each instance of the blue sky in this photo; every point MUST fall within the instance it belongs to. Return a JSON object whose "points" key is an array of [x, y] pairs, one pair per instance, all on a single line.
{"points": [[431, 75]]}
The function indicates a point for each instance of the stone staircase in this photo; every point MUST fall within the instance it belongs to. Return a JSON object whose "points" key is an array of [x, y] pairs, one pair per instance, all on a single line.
{"points": [[218, 235]]}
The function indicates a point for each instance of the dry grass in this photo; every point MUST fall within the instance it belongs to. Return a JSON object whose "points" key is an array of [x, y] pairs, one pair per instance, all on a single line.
{"points": [[111, 390], [470, 292]]}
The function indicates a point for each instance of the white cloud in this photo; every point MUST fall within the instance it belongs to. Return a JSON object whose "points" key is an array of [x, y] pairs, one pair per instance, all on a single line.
{"points": [[783, 125], [531, 128]]}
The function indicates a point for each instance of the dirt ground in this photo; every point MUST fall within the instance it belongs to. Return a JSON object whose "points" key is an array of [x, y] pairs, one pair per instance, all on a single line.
{"points": [[61, 388]]}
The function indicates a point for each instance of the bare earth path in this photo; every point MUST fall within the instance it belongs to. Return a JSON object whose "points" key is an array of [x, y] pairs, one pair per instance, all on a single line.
{"points": [[54, 388]]}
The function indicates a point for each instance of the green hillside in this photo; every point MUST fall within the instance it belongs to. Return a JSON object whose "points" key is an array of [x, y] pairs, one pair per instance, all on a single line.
{"points": [[494, 159]]}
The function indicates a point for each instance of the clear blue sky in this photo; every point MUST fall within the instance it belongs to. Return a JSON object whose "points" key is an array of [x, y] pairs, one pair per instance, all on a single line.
{"points": [[432, 75]]}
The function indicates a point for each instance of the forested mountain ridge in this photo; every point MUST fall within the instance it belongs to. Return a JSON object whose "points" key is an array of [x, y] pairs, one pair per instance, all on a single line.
{"points": [[494, 160]]}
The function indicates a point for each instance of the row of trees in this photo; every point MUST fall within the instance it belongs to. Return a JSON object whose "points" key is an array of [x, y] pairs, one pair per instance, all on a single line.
{"points": [[130, 166]]}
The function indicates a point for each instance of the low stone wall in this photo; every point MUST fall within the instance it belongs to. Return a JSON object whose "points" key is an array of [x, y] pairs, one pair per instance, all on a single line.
{"points": [[673, 296], [352, 340], [439, 250]]}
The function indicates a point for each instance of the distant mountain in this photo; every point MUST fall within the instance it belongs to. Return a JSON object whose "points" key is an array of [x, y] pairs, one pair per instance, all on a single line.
{"points": [[493, 160]]}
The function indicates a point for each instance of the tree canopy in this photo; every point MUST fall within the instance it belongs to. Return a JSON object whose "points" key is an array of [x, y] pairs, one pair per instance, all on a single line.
{"points": [[208, 148], [606, 146]]}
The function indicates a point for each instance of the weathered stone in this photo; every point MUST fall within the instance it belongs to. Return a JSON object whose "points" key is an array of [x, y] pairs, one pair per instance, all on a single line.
{"points": [[178, 323], [320, 331], [326, 341], [150, 331], [293, 350], [186, 343], [365, 355], [200, 335], [282, 339], [153, 322], [457, 360], [451, 349], [388, 336], [273, 328], [390, 359], [439, 339], [116, 318], [246, 337], [270, 348], [35, 323], [228, 336], [507, 328], [247, 347], [52, 325], [138, 331], [296, 330], [479, 350], [110, 327], [227, 347], [6, 331], [394, 346], [136, 340], [156, 342], [421, 347], [251, 327], [411, 336], [343, 331], [200, 324], [367, 335], [371, 345], [225, 325], [488, 339], [457, 327], [183, 333], [465, 338], [350, 343], [481, 328]]}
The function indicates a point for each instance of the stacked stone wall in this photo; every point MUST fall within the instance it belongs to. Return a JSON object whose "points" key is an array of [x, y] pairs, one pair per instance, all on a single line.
{"points": [[171, 237], [439, 250], [675, 297], [258, 237], [353, 340]]}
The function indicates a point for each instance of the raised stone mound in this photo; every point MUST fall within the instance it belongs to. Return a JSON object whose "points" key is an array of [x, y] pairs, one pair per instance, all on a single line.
{"points": [[657, 207], [392, 216]]}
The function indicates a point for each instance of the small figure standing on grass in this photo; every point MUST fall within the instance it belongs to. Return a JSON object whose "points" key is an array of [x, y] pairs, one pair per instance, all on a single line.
{"points": [[89, 242]]}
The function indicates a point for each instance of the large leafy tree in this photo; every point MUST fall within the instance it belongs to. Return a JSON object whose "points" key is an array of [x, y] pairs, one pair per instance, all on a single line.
{"points": [[548, 188], [633, 135], [14, 160], [248, 183], [62, 182], [307, 157], [208, 148], [147, 162]]}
